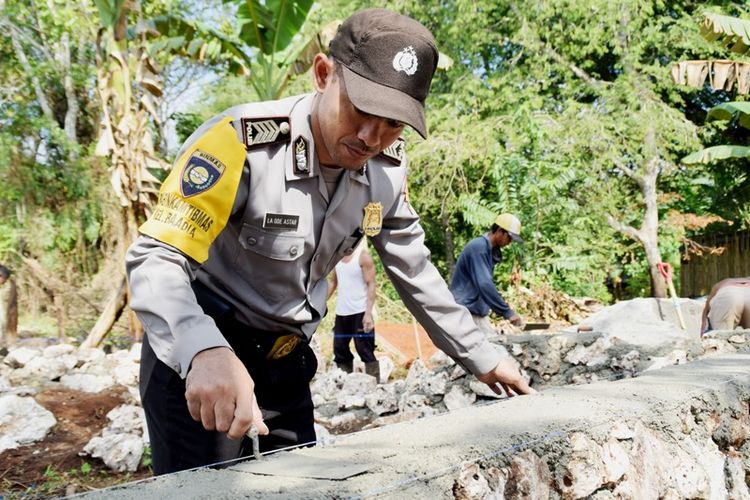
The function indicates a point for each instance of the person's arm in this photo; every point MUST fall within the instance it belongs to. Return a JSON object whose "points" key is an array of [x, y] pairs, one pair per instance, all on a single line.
{"points": [[368, 273], [188, 341], [333, 283], [481, 275], [400, 245], [704, 315], [161, 266]]}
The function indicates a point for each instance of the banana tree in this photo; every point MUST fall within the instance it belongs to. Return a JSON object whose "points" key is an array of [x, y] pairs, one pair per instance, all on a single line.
{"points": [[128, 86], [722, 74], [265, 42], [735, 112]]}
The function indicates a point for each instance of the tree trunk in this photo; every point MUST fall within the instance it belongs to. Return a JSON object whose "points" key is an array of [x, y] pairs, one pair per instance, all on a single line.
{"points": [[8, 313], [650, 228], [112, 312], [658, 285], [60, 313]]}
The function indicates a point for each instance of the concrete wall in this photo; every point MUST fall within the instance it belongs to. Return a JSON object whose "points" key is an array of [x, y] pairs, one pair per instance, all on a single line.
{"points": [[679, 432]]}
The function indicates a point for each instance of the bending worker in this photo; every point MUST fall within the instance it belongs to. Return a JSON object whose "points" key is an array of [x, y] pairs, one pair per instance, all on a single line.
{"points": [[354, 277], [473, 285], [727, 306], [229, 273]]}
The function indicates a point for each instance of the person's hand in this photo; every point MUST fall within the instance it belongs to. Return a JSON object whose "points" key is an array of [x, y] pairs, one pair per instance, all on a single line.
{"points": [[367, 323], [219, 394], [516, 320], [507, 374]]}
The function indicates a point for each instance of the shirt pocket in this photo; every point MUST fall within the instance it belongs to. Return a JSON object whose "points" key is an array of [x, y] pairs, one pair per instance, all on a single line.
{"points": [[271, 262]]}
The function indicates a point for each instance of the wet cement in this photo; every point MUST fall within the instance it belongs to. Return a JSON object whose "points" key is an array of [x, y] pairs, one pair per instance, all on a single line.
{"points": [[422, 458]]}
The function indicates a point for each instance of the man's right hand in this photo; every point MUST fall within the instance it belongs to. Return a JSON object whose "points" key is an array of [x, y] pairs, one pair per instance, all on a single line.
{"points": [[508, 375], [220, 393], [516, 320]]}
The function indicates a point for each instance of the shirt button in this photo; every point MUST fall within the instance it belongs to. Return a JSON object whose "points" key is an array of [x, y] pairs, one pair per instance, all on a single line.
{"points": [[251, 240], [348, 251], [293, 251]]}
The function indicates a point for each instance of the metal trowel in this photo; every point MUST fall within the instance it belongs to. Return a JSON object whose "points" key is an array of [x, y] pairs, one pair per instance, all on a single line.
{"points": [[535, 326]]}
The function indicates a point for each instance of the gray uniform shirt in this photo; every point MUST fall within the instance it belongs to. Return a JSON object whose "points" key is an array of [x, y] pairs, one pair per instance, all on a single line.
{"points": [[275, 275]]}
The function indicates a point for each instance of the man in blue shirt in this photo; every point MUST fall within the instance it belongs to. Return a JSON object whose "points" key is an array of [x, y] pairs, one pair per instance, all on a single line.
{"points": [[473, 285]]}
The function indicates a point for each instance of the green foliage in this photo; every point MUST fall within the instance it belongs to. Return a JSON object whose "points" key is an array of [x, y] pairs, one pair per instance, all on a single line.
{"points": [[545, 104], [271, 26], [726, 164], [262, 41], [738, 112], [716, 153], [542, 104], [146, 460], [85, 468], [728, 31], [109, 10]]}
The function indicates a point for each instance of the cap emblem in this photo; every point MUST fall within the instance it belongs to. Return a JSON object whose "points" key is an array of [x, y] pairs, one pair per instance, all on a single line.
{"points": [[406, 61]]}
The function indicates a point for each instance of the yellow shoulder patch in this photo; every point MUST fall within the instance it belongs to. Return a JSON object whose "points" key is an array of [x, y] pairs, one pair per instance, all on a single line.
{"points": [[196, 199]]}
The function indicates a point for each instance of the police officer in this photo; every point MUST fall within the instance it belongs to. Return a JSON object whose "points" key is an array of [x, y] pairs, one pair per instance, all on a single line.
{"points": [[229, 274]]}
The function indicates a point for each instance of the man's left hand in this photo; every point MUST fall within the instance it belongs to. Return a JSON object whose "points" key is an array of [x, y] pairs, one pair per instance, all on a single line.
{"points": [[507, 374], [367, 323]]}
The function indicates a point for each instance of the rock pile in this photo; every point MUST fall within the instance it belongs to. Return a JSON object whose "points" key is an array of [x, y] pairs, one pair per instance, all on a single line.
{"points": [[28, 370], [627, 339]]}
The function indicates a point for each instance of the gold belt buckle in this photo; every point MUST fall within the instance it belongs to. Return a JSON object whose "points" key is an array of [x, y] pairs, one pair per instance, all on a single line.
{"points": [[283, 346]]}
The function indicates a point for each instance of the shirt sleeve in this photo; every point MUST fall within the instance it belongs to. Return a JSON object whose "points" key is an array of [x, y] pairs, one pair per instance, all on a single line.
{"points": [[207, 184], [161, 295], [406, 260], [481, 275]]}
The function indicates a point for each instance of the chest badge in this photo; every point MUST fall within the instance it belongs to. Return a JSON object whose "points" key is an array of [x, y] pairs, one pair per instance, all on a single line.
{"points": [[201, 171], [372, 222]]}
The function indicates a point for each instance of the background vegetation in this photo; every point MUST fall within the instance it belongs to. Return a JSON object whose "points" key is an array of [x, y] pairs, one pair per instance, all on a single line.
{"points": [[562, 112]]}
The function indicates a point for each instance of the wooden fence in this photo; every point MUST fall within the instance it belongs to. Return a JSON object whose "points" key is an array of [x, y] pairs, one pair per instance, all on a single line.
{"points": [[699, 273]]}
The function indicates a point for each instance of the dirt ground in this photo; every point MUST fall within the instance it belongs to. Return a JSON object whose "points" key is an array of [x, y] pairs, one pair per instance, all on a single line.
{"points": [[400, 342], [52, 467]]}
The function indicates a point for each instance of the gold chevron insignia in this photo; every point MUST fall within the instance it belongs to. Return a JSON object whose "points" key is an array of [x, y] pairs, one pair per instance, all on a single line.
{"points": [[395, 152], [259, 131]]}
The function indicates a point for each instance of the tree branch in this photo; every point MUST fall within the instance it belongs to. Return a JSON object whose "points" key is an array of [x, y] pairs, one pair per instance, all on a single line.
{"points": [[579, 72], [629, 172], [71, 114], [628, 231], [40, 96]]}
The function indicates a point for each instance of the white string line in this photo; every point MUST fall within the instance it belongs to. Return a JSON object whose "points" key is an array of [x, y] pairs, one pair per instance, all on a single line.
{"points": [[520, 446], [207, 466]]}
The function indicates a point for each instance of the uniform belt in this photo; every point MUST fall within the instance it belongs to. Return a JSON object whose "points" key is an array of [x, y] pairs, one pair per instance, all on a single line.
{"points": [[241, 336]]}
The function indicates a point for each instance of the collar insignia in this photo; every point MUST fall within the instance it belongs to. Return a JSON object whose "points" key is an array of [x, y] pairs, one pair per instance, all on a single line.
{"points": [[395, 152], [406, 61], [262, 131], [372, 222], [201, 171], [301, 161]]}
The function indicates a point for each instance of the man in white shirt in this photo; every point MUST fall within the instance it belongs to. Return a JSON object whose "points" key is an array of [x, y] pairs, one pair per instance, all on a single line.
{"points": [[354, 276]]}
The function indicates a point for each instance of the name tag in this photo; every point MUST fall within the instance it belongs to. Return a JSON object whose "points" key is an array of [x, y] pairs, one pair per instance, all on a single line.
{"points": [[281, 221]]}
